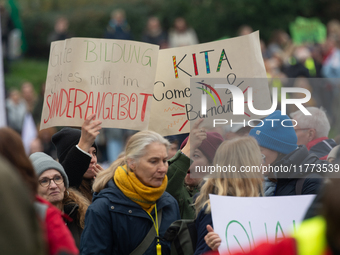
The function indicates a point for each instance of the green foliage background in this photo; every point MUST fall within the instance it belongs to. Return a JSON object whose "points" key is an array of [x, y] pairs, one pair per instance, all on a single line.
{"points": [[212, 20]]}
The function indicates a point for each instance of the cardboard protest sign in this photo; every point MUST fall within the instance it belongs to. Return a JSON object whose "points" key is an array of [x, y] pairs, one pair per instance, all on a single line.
{"points": [[112, 78], [230, 59], [245, 222], [305, 30]]}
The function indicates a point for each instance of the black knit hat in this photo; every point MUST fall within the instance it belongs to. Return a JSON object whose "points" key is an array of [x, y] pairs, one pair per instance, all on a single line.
{"points": [[65, 139]]}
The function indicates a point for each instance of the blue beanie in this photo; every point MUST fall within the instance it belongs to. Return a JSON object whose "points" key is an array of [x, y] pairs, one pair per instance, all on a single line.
{"points": [[273, 135]]}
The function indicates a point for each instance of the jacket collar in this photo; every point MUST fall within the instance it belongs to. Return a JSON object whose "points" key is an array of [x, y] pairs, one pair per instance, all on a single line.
{"points": [[315, 141]]}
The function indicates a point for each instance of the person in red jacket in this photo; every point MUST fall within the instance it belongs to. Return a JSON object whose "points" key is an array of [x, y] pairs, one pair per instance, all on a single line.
{"points": [[57, 235]]}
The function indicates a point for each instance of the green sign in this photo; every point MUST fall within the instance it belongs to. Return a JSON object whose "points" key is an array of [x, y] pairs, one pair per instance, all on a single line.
{"points": [[305, 30]]}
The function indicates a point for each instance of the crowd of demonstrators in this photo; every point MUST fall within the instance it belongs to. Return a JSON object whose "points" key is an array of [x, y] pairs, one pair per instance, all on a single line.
{"points": [[148, 186], [283, 59], [242, 151], [130, 193]]}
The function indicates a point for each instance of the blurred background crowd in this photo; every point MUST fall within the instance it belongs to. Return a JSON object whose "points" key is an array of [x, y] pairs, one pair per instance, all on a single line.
{"points": [[299, 39]]}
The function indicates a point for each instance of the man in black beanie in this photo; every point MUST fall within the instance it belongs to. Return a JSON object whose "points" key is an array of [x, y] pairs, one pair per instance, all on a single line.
{"points": [[77, 153]]}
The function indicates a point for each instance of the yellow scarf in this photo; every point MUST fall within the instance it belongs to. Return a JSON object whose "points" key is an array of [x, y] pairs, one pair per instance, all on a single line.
{"points": [[129, 184]]}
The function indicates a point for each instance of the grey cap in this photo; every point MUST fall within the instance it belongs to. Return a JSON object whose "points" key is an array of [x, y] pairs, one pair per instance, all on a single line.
{"points": [[43, 162]]}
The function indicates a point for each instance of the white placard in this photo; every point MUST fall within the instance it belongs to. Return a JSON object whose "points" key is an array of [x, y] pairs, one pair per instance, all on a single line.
{"points": [[245, 222], [232, 59]]}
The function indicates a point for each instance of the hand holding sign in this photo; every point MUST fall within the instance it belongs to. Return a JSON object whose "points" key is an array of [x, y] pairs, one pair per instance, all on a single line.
{"points": [[197, 135], [89, 131], [212, 239]]}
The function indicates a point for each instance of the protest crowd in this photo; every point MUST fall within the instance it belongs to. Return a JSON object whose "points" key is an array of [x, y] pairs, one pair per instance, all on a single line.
{"points": [[95, 190]]}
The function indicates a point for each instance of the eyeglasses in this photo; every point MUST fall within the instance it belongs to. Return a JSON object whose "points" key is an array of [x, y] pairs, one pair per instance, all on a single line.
{"points": [[45, 182]]}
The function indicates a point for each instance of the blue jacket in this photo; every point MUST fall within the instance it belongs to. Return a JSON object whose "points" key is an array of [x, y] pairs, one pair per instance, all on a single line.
{"points": [[201, 223], [116, 225]]}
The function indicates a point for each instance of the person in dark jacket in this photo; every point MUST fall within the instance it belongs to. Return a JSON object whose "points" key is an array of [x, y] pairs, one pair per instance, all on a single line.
{"points": [[285, 161], [129, 198], [202, 146], [312, 131], [77, 153], [53, 186]]}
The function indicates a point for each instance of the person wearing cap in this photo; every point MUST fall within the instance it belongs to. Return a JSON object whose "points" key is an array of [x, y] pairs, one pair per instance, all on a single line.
{"points": [[54, 187], [200, 146], [77, 153], [312, 131], [278, 142], [57, 236]]}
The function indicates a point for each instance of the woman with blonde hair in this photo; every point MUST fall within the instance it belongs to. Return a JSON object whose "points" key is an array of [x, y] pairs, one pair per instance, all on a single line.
{"points": [[130, 206], [240, 153]]}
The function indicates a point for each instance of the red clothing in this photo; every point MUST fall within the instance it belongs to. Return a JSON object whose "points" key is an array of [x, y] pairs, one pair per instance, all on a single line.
{"points": [[286, 247], [59, 237], [321, 147]]}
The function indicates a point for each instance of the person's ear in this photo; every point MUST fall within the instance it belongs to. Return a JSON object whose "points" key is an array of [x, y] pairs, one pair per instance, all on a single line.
{"points": [[311, 134], [131, 164]]}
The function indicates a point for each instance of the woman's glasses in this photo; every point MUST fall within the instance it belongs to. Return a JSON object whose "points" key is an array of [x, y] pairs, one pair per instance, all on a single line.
{"points": [[45, 182]]}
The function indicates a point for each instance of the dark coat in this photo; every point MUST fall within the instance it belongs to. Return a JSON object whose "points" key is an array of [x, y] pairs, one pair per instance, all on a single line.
{"points": [[116, 225], [286, 182], [201, 223], [321, 147], [71, 210]]}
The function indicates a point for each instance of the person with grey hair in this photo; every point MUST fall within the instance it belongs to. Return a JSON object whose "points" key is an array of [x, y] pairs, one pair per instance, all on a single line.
{"points": [[312, 131], [130, 210]]}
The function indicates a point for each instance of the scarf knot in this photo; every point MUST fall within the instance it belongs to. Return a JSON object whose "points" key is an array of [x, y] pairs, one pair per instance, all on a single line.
{"points": [[136, 191]]}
